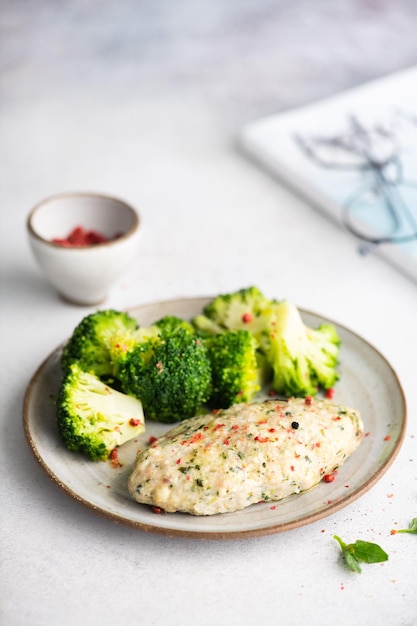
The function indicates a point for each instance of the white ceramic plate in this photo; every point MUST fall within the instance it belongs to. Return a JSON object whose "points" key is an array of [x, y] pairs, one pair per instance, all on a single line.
{"points": [[367, 383]]}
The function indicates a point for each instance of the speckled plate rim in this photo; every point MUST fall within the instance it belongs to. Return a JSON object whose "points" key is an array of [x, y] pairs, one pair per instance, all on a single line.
{"points": [[384, 450]]}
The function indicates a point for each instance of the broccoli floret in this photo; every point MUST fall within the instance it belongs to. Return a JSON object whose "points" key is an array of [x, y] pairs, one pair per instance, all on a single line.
{"points": [[121, 345], [205, 327], [297, 360], [235, 369], [170, 373], [94, 418], [303, 359], [89, 345], [241, 309], [170, 323]]}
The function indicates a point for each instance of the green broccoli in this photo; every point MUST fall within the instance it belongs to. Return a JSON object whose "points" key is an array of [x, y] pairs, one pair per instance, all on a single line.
{"points": [[205, 327], [170, 373], [303, 359], [120, 345], [236, 373], [93, 418], [89, 345], [238, 344], [170, 323], [242, 309], [123, 342]]}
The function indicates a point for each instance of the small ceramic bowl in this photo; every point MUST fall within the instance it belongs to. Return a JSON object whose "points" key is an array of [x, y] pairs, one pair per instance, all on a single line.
{"points": [[83, 274]]}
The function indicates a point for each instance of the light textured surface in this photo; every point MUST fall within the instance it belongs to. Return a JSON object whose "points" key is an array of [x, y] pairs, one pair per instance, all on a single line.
{"points": [[144, 101]]}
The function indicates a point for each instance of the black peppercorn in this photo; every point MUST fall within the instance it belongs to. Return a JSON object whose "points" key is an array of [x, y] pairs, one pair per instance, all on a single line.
{"points": [[295, 425]]}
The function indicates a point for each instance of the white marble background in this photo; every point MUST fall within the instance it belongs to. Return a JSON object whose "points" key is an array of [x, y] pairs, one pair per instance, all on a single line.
{"points": [[236, 59]]}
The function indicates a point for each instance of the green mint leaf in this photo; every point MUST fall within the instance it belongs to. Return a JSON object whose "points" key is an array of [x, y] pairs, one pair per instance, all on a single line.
{"points": [[349, 558], [352, 562], [411, 529], [368, 552], [340, 541], [361, 551]]}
